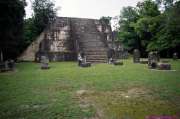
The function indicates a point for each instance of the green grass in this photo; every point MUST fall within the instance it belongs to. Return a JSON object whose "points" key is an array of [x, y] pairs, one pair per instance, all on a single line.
{"points": [[108, 92]]}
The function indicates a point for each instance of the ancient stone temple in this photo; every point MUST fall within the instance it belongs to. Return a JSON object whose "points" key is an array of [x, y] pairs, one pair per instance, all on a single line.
{"points": [[63, 39]]}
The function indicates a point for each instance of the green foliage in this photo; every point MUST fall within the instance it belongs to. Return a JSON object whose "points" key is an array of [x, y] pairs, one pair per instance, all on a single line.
{"points": [[11, 27], [127, 33], [168, 36], [30, 31], [148, 8], [106, 20], [166, 3], [44, 14], [151, 29]]}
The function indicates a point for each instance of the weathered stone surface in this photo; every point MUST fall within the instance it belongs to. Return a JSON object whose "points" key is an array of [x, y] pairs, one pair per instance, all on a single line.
{"points": [[30, 53], [136, 56], [86, 64], [118, 63], [120, 51], [164, 66], [44, 62], [8, 65], [67, 36], [153, 59], [175, 56], [144, 61]]}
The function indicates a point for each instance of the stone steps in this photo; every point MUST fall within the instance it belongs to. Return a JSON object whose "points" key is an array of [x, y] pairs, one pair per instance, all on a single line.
{"points": [[91, 43], [97, 61], [95, 58], [94, 49], [96, 53]]}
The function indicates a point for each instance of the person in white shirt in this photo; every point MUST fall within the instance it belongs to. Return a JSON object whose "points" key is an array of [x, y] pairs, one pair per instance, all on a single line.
{"points": [[80, 59]]}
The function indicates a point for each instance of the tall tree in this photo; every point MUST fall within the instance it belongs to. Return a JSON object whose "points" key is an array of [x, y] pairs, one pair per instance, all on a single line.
{"points": [[152, 29], [106, 20], [148, 22], [11, 27], [168, 36], [127, 34], [166, 4], [44, 14]]}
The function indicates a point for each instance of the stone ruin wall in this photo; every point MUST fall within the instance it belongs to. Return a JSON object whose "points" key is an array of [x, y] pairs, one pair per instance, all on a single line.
{"points": [[60, 41], [57, 43], [29, 53]]}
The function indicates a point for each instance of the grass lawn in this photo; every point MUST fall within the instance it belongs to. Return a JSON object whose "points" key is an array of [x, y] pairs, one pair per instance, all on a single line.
{"points": [[103, 91]]}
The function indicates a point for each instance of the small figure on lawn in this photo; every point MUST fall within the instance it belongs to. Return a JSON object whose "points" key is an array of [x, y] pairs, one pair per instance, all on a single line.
{"points": [[112, 58], [82, 60], [111, 55]]}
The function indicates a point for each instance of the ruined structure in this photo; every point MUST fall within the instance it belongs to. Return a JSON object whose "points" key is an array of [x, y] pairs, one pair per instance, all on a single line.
{"points": [[62, 40]]}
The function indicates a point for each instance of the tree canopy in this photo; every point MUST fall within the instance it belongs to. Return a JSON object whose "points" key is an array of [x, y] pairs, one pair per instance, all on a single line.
{"points": [[148, 28], [11, 27], [44, 13]]}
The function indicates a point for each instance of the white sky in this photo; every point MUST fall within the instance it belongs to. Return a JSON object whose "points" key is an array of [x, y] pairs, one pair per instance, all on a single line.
{"points": [[88, 8]]}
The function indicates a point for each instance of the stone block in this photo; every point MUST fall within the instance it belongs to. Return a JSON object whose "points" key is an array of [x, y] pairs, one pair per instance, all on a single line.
{"points": [[153, 59], [175, 56], [44, 62], [118, 63], [164, 66], [136, 56], [87, 64], [7, 66], [152, 65]]}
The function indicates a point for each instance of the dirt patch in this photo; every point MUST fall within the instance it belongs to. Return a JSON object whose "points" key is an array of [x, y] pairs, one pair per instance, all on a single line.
{"points": [[113, 104], [86, 104], [35, 106], [136, 92]]}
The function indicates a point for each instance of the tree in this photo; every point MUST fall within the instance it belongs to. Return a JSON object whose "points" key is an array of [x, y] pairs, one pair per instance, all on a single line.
{"points": [[151, 29], [166, 4], [11, 27], [44, 14], [127, 34], [148, 8], [147, 24], [168, 37], [106, 20], [30, 32]]}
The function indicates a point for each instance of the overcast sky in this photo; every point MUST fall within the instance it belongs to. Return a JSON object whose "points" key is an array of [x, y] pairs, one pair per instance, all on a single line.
{"points": [[88, 8]]}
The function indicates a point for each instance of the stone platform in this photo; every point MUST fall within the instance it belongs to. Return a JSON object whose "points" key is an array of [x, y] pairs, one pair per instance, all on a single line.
{"points": [[62, 40]]}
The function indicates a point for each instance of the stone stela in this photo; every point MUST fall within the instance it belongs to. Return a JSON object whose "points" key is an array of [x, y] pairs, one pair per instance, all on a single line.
{"points": [[153, 59], [154, 62], [175, 56], [44, 62], [136, 56], [8, 65]]}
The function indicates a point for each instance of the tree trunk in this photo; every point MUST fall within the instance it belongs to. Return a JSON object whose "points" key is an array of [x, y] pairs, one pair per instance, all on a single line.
{"points": [[1, 56]]}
